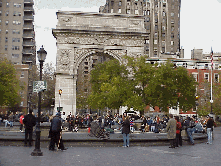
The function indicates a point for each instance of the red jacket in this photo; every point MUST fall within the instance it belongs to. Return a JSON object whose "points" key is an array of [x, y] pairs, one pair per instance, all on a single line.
{"points": [[178, 127], [21, 119]]}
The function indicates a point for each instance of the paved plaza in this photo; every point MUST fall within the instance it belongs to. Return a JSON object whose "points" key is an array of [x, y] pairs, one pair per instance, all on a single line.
{"points": [[201, 154]]}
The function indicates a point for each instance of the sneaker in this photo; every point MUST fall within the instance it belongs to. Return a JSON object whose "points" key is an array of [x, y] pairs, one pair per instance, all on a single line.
{"points": [[124, 146], [128, 146]]}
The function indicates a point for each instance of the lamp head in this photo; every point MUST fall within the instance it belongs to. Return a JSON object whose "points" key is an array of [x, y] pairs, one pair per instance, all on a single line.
{"points": [[41, 54]]}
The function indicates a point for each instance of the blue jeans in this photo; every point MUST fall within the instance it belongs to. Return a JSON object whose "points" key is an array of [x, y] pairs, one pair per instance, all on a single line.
{"points": [[11, 124], [126, 139], [209, 133], [6, 123], [189, 133]]}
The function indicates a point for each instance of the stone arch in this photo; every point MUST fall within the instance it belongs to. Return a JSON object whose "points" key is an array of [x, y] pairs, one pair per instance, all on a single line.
{"points": [[81, 34], [82, 56]]}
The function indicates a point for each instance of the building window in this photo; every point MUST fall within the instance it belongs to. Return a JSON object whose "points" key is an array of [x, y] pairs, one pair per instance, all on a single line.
{"points": [[120, 3], [15, 55], [172, 21], [128, 11], [163, 49], [216, 66], [163, 43], [22, 75], [146, 41], [6, 31], [112, 10], [185, 65], [6, 47], [15, 47], [172, 14], [206, 76], [6, 39], [163, 34], [164, 13], [0, 22], [0, 4], [21, 104], [18, 5], [155, 41], [172, 35], [112, 3], [148, 27], [144, 12], [15, 31], [16, 22], [163, 28], [17, 14], [155, 35], [6, 22], [148, 12], [136, 11], [172, 6], [216, 77], [0, 31], [0, 13], [172, 43], [16, 40], [156, 27], [195, 76], [6, 13], [119, 10], [7, 4]]}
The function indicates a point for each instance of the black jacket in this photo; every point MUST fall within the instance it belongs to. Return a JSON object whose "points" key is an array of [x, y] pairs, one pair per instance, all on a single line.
{"points": [[126, 127], [29, 121], [210, 123], [56, 124]]}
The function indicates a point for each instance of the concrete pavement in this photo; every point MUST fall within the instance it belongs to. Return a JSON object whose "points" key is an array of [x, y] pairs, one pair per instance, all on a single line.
{"points": [[200, 154]]}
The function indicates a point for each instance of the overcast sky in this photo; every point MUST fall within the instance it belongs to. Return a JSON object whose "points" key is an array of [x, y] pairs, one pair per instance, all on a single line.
{"points": [[200, 23]]}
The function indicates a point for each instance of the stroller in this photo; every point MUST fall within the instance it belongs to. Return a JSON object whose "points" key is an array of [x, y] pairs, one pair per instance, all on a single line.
{"points": [[97, 131]]}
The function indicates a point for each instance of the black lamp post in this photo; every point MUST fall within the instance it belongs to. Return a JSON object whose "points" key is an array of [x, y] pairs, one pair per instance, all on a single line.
{"points": [[37, 151]]}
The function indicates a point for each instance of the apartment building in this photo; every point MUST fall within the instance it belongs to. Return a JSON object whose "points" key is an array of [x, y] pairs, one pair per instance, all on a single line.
{"points": [[161, 20], [17, 37], [198, 54]]}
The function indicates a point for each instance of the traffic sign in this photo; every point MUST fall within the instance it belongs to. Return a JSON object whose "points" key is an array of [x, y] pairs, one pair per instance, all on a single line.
{"points": [[39, 86]]}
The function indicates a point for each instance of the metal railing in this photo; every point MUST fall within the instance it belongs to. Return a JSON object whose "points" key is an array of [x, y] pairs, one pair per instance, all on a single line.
{"points": [[28, 17], [28, 35]]}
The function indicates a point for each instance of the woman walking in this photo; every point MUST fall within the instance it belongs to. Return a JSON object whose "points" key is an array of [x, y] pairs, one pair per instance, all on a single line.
{"points": [[126, 131], [178, 132]]}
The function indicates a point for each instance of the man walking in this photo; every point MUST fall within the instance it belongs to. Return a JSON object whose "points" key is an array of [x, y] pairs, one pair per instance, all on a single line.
{"points": [[190, 129], [55, 133], [29, 121], [171, 131]]}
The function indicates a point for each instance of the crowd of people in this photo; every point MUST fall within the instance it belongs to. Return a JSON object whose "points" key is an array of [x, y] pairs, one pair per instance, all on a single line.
{"points": [[176, 127]]}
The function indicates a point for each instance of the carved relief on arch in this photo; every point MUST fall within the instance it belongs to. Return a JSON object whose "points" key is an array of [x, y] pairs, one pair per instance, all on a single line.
{"points": [[80, 54], [117, 54], [63, 61]]}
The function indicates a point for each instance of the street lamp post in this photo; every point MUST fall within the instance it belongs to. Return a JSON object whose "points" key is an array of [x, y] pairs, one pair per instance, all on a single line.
{"points": [[37, 151]]}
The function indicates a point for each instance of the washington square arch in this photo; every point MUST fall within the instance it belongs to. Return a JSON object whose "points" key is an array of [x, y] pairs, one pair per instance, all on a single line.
{"points": [[80, 35]]}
